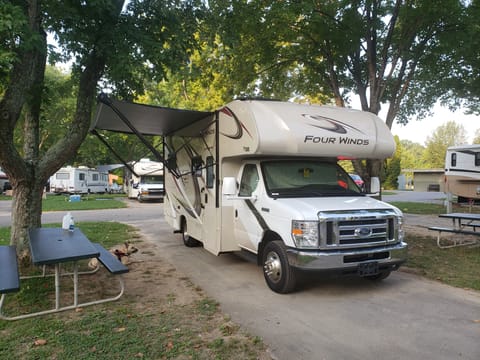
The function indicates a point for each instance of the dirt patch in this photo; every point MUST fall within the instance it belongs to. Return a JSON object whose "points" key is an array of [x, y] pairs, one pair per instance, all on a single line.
{"points": [[178, 317], [151, 279]]}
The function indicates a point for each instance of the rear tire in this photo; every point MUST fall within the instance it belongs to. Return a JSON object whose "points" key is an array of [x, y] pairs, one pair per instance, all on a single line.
{"points": [[279, 275], [188, 241]]}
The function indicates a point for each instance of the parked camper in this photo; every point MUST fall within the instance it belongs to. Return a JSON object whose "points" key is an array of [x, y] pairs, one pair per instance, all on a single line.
{"points": [[4, 183], [261, 177], [147, 184], [462, 172], [81, 180]]}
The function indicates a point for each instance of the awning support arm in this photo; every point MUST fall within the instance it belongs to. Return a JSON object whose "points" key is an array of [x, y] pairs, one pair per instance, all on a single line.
{"points": [[103, 98], [95, 132]]}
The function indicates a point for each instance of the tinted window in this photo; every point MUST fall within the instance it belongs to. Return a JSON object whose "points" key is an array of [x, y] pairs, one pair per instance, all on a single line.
{"points": [[249, 180]]}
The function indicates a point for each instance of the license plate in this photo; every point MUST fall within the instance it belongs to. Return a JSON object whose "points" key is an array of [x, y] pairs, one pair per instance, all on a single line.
{"points": [[368, 268]]}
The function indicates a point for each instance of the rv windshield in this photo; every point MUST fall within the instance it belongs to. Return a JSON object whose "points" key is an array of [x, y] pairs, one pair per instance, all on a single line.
{"points": [[307, 178], [152, 179]]}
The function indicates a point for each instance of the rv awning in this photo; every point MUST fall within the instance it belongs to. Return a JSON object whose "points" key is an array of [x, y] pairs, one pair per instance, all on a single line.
{"points": [[145, 119]]}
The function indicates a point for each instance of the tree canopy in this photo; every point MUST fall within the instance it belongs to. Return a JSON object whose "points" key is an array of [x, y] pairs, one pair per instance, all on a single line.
{"points": [[385, 53], [402, 55], [110, 44], [449, 134]]}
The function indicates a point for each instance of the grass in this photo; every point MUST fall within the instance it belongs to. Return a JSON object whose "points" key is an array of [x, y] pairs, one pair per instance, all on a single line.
{"points": [[431, 209], [457, 266], [88, 202], [120, 330], [107, 233], [196, 330]]}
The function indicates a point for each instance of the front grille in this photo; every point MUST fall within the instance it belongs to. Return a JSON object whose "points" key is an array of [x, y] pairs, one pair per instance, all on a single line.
{"points": [[356, 229], [155, 191]]}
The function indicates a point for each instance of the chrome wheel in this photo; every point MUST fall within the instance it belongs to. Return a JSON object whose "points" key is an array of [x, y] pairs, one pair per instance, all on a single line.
{"points": [[279, 275], [273, 267]]}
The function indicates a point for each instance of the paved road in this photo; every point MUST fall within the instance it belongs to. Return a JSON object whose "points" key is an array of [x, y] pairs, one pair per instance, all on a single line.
{"points": [[135, 211], [405, 317], [414, 196]]}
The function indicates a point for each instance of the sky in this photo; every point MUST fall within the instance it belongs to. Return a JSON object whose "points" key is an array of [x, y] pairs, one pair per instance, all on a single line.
{"points": [[417, 131]]}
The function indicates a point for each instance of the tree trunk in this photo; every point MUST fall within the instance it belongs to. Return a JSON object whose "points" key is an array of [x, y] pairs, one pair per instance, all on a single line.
{"points": [[28, 170], [26, 212]]}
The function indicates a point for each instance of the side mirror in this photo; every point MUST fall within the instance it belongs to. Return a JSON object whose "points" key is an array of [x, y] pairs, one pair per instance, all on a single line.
{"points": [[229, 186], [374, 185]]}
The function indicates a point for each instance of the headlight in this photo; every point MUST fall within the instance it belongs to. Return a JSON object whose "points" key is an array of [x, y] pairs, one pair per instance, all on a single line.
{"points": [[400, 231], [305, 233]]}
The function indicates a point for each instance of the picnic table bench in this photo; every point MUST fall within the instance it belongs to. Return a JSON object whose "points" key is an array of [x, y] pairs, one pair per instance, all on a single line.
{"points": [[9, 276], [462, 224], [55, 246]]}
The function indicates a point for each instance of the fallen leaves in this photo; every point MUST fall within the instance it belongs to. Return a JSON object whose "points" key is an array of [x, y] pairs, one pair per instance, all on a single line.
{"points": [[40, 342]]}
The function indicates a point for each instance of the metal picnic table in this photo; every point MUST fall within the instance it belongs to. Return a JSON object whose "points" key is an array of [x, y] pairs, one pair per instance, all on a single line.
{"points": [[56, 246], [463, 224]]}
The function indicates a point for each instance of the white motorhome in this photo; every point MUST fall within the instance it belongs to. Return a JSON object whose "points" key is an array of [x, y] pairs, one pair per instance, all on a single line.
{"points": [[79, 180], [261, 178], [146, 183], [462, 172], [4, 183]]}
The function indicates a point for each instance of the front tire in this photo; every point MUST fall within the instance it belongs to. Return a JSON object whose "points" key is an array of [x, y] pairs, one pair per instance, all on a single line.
{"points": [[279, 275], [188, 241], [379, 277]]}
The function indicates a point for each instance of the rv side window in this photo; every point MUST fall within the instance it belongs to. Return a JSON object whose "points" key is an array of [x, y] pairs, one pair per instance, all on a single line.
{"points": [[81, 176], [62, 176], [210, 172], [453, 159], [95, 177], [249, 180], [477, 159]]}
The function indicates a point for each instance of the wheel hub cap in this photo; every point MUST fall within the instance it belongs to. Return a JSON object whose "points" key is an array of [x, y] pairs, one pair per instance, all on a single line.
{"points": [[273, 267]]}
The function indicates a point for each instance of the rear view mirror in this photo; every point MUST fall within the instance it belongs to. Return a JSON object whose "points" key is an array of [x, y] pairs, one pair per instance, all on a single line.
{"points": [[374, 185]]}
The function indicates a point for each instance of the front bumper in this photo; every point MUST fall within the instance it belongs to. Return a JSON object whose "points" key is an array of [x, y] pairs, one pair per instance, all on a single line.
{"points": [[151, 195], [388, 257]]}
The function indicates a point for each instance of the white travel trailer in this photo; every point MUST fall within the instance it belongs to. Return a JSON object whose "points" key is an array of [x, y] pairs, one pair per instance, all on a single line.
{"points": [[261, 178], [462, 172], [146, 183], [79, 180], [4, 183]]}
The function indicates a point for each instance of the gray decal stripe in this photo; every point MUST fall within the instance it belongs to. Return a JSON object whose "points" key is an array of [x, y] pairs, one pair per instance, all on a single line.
{"points": [[260, 219], [452, 169]]}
